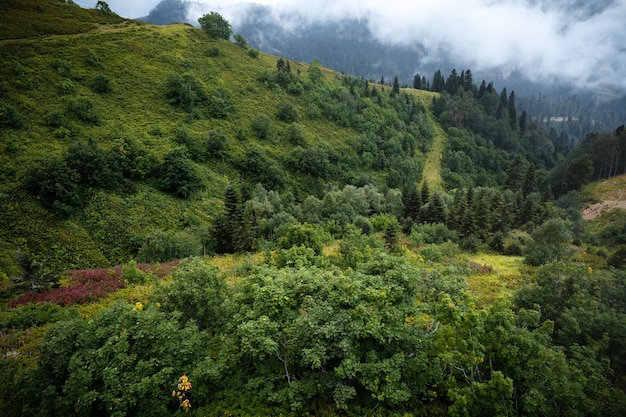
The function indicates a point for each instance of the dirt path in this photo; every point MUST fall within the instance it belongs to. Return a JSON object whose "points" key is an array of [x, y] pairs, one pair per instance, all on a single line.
{"points": [[595, 210]]}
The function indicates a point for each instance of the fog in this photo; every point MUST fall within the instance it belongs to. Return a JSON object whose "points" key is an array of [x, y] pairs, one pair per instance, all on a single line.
{"points": [[572, 41]]}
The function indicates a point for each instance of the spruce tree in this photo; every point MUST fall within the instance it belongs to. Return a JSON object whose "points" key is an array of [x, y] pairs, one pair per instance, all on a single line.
{"points": [[503, 108], [417, 82], [396, 87], [523, 122], [392, 236], [439, 83], [425, 192]]}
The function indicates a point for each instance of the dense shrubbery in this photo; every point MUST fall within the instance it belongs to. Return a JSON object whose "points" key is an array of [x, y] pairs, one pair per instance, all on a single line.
{"points": [[383, 333]]}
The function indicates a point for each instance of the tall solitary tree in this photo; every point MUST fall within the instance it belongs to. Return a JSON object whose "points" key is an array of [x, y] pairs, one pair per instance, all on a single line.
{"points": [[216, 26], [396, 87]]}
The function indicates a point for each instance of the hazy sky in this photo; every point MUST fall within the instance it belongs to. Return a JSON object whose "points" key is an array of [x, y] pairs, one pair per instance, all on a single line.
{"points": [[583, 41]]}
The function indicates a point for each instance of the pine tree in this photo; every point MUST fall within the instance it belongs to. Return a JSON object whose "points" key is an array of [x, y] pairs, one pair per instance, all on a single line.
{"points": [[482, 89], [512, 110], [515, 174], [396, 87], [412, 203], [392, 236], [529, 181], [503, 108], [453, 82], [417, 82], [231, 231], [468, 81], [425, 192], [436, 209], [523, 122], [439, 83]]}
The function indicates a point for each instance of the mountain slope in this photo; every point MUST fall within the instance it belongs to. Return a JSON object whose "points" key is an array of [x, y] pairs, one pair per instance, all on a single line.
{"points": [[116, 91]]}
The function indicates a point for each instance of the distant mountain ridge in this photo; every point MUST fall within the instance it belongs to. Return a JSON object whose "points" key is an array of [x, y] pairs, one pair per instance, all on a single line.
{"points": [[348, 46]]}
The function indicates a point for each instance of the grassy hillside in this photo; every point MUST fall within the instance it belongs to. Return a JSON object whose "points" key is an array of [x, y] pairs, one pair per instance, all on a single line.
{"points": [[341, 285], [73, 77]]}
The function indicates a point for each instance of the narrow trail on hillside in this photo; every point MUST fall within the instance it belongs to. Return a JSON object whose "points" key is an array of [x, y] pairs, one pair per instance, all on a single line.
{"points": [[432, 167], [119, 27]]}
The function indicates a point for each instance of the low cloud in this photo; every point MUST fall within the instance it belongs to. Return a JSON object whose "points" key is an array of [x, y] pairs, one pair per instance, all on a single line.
{"points": [[574, 41]]}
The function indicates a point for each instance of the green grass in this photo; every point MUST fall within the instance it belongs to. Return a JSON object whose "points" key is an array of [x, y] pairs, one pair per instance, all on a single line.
{"points": [[611, 189], [496, 276], [20, 19], [46, 70], [432, 168]]}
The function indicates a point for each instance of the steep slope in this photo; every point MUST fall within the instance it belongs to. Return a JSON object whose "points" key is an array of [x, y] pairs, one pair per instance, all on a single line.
{"points": [[611, 194], [108, 101]]}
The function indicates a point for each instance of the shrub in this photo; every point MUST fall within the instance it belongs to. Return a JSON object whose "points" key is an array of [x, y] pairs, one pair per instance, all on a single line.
{"points": [[56, 185], [184, 91], [254, 53], [10, 117], [305, 235], [431, 253], [213, 51], [82, 108], [177, 174], [25, 316], [241, 41], [550, 243], [217, 143], [66, 88], [62, 67], [286, 112], [101, 84], [261, 126], [92, 58], [164, 246], [295, 135], [618, 258], [197, 292], [221, 103], [431, 233], [85, 286]]}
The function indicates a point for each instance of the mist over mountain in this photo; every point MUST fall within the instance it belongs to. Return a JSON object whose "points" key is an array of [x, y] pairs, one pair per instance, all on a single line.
{"points": [[568, 43], [564, 58]]}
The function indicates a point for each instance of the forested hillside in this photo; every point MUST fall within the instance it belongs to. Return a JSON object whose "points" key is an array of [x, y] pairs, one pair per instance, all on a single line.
{"points": [[191, 225]]}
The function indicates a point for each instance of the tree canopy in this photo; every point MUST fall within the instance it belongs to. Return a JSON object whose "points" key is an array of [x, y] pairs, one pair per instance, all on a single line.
{"points": [[216, 26]]}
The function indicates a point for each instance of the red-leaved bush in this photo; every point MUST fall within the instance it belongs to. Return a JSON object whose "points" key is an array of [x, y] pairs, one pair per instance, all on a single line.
{"points": [[88, 285]]}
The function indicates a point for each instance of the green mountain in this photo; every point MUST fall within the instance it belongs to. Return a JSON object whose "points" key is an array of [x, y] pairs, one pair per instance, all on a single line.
{"points": [[190, 225], [126, 96]]}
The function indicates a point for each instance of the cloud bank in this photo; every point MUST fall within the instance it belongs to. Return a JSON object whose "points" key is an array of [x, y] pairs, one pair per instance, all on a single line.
{"points": [[573, 41]]}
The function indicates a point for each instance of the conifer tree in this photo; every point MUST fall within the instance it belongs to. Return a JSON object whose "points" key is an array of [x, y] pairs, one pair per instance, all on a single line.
{"points": [[425, 192], [515, 174], [512, 110], [503, 108], [412, 203], [439, 83], [392, 236], [396, 87], [482, 89], [417, 82], [453, 82], [523, 122], [230, 230], [468, 81]]}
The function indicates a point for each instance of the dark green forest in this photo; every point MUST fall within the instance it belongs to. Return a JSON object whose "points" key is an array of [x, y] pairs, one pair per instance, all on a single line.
{"points": [[193, 226]]}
